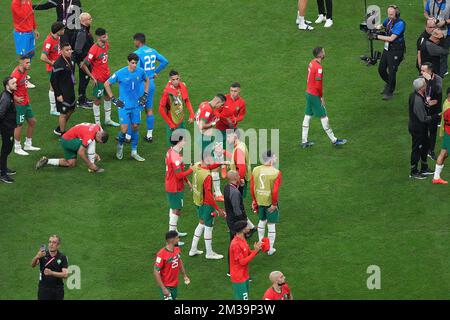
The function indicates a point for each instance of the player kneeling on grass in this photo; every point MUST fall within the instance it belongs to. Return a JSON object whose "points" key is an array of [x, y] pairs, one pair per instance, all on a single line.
{"points": [[445, 127], [264, 185], [167, 267], [75, 142], [279, 289]]}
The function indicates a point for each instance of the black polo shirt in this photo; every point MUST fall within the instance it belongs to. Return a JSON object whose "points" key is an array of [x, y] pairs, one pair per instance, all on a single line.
{"points": [[56, 263]]}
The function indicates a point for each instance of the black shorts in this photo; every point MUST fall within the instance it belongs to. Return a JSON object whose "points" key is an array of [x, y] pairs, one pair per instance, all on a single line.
{"points": [[51, 293], [64, 107]]}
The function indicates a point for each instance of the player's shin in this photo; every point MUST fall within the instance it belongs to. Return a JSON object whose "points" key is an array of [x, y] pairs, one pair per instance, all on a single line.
{"points": [[437, 171], [150, 120], [91, 152], [305, 128], [216, 183], [250, 224], [173, 220], [96, 110], [327, 129], [107, 106], [134, 140], [261, 229], [121, 137], [197, 235], [271, 234], [53, 162], [51, 98], [208, 240]]}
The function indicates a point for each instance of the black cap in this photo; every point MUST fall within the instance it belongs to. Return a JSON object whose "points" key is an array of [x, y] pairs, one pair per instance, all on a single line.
{"points": [[171, 235], [240, 225]]}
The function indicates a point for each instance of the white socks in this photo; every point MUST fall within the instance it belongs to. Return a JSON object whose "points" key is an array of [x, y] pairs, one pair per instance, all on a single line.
{"points": [[437, 171], [51, 98], [271, 234], [17, 144], [107, 106], [96, 110], [28, 141], [149, 133], [216, 183], [261, 229], [327, 129], [197, 235], [250, 224], [208, 240], [173, 221], [53, 162], [305, 128]]}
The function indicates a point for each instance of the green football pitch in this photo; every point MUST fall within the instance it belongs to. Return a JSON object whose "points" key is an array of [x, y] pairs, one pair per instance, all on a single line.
{"points": [[342, 209]]}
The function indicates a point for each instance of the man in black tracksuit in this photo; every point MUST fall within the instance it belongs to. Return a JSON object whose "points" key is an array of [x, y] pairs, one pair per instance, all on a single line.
{"points": [[63, 81], [432, 51], [7, 126], [418, 128], [234, 205]]}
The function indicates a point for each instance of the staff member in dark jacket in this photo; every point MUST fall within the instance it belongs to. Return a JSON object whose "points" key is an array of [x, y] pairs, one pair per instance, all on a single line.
{"points": [[432, 51], [433, 96], [7, 126], [234, 206], [68, 12], [83, 42], [430, 25], [63, 81], [418, 128], [53, 267]]}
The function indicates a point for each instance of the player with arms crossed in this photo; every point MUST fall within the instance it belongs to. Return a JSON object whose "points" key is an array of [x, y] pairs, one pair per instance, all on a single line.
{"points": [[147, 61], [76, 142], [167, 267], [264, 185], [171, 105], [97, 59], [130, 80], [175, 179], [207, 208], [279, 289], [50, 53], [315, 103]]}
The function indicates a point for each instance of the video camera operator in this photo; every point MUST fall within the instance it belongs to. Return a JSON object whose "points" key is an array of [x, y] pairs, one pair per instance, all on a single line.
{"points": [[394, 49]]}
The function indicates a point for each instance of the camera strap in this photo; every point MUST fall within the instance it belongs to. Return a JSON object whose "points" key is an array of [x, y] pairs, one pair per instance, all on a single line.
{"points": [[439, 10]]}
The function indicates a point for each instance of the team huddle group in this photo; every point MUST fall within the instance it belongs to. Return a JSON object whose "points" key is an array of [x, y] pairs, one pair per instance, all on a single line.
{"points": [[223, 154]]}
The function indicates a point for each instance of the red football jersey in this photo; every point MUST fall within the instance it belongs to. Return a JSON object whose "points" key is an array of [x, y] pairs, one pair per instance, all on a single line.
{"points": [[240, 256], [84, 131], [175, 174], [23, 16], [168, 264], [271, 294], [234, 110], [97, 57], [315, 78], [447, 120], [205, 113], [51, 49], [22, 90]]}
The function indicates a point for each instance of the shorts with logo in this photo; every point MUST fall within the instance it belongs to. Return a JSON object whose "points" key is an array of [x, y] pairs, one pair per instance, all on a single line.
{"points": [[22, 113], [264, 214], [71, 148], [99, 90], [129, 116], [204, 213], [175, 199], [240, 290], [314, 106], [25, 43]]}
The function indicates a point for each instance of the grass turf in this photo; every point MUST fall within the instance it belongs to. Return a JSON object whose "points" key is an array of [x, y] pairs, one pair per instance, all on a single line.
{"points": [[343, 209]]}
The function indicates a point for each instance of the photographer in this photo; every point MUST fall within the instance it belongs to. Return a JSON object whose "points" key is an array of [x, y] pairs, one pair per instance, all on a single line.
{"points": [[433, 95], [394, 48], [431, 51]]}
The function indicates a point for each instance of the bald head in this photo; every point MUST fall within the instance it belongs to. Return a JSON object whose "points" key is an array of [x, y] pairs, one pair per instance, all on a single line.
{"points": [[274, 276], [233, 177], [85, 19]]}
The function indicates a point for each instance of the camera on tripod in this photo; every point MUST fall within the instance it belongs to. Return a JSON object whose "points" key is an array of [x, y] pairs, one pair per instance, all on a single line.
{"points": [[368, 26]]}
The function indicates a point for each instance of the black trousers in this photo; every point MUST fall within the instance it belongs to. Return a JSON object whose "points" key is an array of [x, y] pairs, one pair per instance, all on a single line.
{"points": [[419, 149], [329, 4], [51, 293], [7, 144], [388, 67], [432, 134], [83, 83]]}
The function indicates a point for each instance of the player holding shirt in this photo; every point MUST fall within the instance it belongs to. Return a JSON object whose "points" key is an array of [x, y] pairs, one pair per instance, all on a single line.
{"points": [[445, 142], [147, 61], [131, 98], [171, 105], [167, 267], [206, 206], [76, 142], [206, 121], [97, 59], [279, 289], [264, 185], [50, 52], [23, 108], [315, 103], [175, 179], [240, 257]]}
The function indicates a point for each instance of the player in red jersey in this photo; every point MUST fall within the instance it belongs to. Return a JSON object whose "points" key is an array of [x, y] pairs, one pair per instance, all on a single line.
{"points": [[50, 52], [175, 179], [279, 289], [97, 61], [172, 102], [167, 267], [23, 108], [76, 142], [315, 103], [445, 127], [240, 257]]}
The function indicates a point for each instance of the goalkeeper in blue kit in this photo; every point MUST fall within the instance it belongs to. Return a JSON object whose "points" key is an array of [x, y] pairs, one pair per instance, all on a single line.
{"points": [[133, 94]]}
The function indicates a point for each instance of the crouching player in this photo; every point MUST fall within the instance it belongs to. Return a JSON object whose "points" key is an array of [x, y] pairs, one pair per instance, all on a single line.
{"points": [[76, 142], [445, 126]]}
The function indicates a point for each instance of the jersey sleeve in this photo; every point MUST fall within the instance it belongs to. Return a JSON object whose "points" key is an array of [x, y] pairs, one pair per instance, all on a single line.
{"points": [[163, 62], [398, 28], [241, 113], [90, 56], [114, 78], [276, 187], [64, 262], [267, 295], [159, 262], [46, 47]]}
